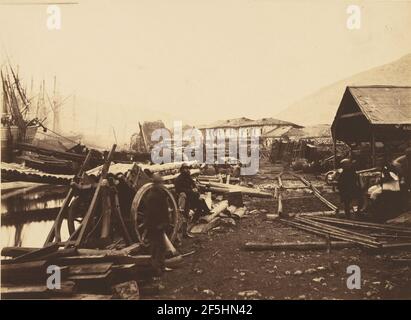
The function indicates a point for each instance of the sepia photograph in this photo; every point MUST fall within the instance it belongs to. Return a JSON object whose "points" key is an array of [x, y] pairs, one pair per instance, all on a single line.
{"points": [[224, 152]]}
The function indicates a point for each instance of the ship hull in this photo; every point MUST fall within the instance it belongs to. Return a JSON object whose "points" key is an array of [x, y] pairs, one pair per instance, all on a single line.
{"points": [[10, 135]]}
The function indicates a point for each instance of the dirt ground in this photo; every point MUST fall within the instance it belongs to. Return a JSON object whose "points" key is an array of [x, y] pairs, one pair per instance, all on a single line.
{"points": [[221, 269]]}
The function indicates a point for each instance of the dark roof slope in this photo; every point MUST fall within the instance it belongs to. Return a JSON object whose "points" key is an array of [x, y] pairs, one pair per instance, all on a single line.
{"points": [[384, 104]]}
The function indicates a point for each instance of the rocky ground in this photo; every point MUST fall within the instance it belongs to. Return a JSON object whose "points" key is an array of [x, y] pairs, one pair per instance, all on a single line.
{"points": [[221, 269]]}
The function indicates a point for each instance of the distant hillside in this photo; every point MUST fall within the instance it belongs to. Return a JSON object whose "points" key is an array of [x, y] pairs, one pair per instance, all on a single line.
{"points": [[320, 107]]}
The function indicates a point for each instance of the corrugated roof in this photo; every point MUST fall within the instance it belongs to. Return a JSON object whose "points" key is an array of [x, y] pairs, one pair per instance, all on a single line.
{"points": [[384, 104], [22, 172]]}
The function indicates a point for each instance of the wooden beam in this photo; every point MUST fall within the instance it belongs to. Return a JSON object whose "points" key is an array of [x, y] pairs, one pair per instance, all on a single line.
{"points": [[261, 246], [87, 218], [55, 230]]}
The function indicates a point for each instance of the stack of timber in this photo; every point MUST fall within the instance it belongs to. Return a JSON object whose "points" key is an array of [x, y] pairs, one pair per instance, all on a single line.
{"points": [[82, 271], [221, 213], [218, 187], [103, 255], [373, 236]]}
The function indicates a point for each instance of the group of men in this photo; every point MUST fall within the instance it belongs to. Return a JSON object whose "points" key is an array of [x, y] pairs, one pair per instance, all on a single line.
{"points": [[395, 176]]}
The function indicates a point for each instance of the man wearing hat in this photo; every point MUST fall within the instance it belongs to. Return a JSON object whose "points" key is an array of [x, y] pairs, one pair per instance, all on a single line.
{"points": [[348, 185], [157, 222], [188, 195]]}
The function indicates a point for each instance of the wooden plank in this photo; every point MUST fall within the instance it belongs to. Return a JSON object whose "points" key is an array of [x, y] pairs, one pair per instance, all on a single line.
{"points": [[85, 223], [33, 292], [94, 268], [55, 230], [25, 271], [90, 277], [38, 254], [16, 251]]}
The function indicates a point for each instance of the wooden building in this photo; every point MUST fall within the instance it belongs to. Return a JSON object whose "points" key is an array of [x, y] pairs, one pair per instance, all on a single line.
{"points": [[376, 119]]}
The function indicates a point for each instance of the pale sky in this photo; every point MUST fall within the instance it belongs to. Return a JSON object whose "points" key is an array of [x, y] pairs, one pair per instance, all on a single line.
{"points": [[197, 61]]}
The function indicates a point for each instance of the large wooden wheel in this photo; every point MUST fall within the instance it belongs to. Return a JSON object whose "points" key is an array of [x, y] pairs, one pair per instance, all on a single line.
{"points": [[138, 214]]}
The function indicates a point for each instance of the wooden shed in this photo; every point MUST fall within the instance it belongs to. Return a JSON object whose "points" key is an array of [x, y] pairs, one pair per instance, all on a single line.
{"points": [[373, 114]]}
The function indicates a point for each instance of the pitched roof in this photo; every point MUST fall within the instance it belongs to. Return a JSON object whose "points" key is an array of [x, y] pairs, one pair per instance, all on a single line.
{"points": [[384, 104], [246, 122], [271, 122], [317, 131], [230, 123], [277, 132]]}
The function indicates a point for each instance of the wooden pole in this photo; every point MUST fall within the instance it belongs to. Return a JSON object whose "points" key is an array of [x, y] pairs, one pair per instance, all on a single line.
{"points": [[373, 148], [261, 246], [87, 218], [335, 153], [55, 230]]}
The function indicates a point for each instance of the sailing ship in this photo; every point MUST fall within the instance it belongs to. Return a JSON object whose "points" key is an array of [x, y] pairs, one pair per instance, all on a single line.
{"points": [[16, 125]]}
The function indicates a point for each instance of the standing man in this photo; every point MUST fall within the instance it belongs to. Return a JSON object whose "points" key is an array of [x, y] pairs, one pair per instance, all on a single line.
{"points": [[188, 196], [157, 222], [348, 186]]}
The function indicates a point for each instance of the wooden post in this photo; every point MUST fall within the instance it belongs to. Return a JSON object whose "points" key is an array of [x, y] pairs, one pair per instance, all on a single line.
{"points": [[106, 212], [373, 147], [115, 205], [143, 135], [87, 218], [335, 153]]}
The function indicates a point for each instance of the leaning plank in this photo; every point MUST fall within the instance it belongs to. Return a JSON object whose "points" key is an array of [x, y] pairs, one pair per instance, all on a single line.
{"points": [[38, 254], [260, 246], [16, 251]]}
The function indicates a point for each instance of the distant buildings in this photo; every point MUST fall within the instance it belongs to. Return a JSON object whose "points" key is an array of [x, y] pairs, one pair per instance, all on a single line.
{"points": [[244, 127]]}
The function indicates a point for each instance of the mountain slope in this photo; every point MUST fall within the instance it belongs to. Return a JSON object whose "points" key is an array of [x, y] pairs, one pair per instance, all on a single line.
{"points": [[320, 107]]}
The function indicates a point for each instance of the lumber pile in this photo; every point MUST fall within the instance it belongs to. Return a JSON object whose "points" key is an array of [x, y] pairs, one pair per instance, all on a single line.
{"points": [[83, 272], [363, 234], [218, 187], [221, 213], [318, 245]]}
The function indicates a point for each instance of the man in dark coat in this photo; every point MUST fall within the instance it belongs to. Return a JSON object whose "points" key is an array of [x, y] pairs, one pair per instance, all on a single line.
{"points": [[157, 221], [188, 195], [348, 186]]}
